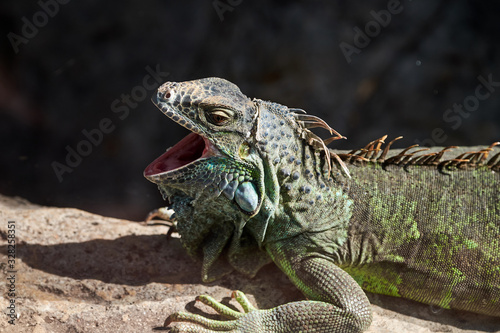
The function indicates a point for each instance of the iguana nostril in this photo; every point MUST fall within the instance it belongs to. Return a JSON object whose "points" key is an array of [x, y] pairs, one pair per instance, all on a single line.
{"points": [[167, 94]]}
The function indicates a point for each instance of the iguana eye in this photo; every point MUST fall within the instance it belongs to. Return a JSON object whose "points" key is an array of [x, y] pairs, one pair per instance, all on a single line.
{"points": [[219, 116]]}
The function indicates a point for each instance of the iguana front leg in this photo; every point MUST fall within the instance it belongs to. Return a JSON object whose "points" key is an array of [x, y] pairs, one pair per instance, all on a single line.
{"points": [[326, 286], [337, 303]]}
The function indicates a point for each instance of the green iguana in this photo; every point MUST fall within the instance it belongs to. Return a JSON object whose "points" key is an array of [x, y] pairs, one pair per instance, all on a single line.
{"points": [[252, 184]]}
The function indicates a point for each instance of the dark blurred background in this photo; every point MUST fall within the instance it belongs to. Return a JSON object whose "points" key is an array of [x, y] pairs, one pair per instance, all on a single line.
{"points": [[367, 67]]}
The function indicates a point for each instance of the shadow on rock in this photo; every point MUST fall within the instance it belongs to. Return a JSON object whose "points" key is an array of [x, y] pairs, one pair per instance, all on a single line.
{"points": [[131, 260]]}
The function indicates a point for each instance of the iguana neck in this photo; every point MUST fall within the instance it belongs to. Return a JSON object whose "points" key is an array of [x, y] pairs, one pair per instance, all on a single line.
{"points": [[304, 199]]}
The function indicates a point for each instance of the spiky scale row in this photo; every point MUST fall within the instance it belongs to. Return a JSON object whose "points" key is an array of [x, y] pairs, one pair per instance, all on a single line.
{"points": [[372, 152]]}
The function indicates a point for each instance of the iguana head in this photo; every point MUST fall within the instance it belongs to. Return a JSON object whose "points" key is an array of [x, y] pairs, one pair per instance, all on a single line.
{"points": [[216, 157]]}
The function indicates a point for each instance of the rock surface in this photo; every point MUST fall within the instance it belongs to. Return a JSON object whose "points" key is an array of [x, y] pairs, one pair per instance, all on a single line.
{"points": [[81, 272]]}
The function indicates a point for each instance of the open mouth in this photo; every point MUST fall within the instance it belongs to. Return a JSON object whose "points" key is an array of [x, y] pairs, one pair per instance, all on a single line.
{"points": [[193, 147]]}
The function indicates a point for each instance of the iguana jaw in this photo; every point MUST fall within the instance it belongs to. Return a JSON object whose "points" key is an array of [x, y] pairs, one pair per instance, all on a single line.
{"points": [[192, 148]]}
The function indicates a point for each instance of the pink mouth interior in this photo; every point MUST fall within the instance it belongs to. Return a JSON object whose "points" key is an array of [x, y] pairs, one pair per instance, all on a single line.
{"points": [[189, 149]]}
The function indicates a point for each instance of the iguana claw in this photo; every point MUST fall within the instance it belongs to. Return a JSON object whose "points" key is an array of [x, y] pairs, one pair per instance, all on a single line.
{"points": [[164, 213], [192, 322], [167, 216]]}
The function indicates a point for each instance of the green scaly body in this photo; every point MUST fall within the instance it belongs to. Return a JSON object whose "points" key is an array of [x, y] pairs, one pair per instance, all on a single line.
{"points": [[254, 184]]}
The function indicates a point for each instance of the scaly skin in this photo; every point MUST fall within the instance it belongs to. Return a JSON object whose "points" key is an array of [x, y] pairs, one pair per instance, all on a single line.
{"points": [[254, 184]]}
